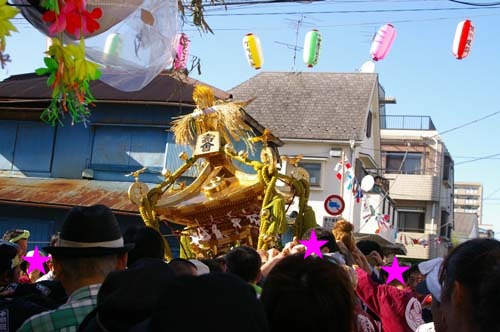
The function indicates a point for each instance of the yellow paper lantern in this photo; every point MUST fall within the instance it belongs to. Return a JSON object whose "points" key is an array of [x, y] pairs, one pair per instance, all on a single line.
{"points": [[253, 51]]}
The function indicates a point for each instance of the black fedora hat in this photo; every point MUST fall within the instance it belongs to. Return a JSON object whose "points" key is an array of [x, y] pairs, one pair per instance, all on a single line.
{"points": [[89, 231]]}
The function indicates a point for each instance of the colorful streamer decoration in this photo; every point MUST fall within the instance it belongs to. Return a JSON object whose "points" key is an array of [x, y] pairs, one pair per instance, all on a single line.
{"points": [[312, 45], [464, 35], [253, 51], [181, 47], [382, 42]]}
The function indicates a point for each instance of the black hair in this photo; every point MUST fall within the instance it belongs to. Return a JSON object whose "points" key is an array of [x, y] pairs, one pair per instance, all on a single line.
{"points": [[8, 252], [182, 266], [323, 234], [323, 290], [215, 265], [244, 262], [475, 264], [367, 246], [409, 272], [148, 243]]}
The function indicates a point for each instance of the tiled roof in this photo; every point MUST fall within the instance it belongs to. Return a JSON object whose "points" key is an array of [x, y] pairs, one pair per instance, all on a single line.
{"points": [[163, 88], [330, 106]]}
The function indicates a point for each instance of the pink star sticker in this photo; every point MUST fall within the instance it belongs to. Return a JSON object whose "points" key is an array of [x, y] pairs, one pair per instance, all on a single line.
{"points": [[395, 271], [36, 261], [313, 245]]}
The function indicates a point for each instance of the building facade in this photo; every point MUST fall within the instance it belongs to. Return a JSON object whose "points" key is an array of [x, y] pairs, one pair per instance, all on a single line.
{"points": [[469, 198], [421, 182], [332, 121]]}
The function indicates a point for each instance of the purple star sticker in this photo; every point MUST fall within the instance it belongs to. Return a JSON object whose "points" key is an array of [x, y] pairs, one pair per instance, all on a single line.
{"points": [[36, 261], [313, 245], [395, 271]]}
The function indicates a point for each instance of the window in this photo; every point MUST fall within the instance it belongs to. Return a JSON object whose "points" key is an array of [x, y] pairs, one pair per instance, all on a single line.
{"points": [[445, 229], [128, 148], [369, 125], [26, 146], [411, 165], [314, 170], [411, 221], [448, 168]]}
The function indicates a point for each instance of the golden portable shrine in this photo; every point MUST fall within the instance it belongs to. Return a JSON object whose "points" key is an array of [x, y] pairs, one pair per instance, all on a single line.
{"points": [[224, 206]]}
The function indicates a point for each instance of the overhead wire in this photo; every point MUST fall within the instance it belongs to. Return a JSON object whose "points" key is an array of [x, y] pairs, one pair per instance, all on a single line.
{"points": [[353, 11], [468, 123]]}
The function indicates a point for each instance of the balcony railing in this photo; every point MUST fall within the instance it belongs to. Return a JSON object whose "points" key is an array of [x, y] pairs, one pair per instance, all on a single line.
{"points": [[406, 122]]}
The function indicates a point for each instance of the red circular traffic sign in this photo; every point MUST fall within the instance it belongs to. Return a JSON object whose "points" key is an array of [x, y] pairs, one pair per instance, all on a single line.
{"points": [[334, 205]]}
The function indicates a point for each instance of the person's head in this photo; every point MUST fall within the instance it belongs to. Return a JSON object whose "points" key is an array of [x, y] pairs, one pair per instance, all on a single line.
{"points": [[214, 265], [212, 302], [9, 263], [245, 262], [366, 247], [343, 231], [323, 234], [34, 274], [90, 246], [19, 237], [413, 277], [299, 292], [430, 286], [53, 239], [183, 267], [470, 277], [120, 305], [148, 243]]}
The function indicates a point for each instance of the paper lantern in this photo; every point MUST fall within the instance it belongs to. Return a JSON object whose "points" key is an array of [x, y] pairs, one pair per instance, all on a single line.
{"points": [[253, 51], [312, 45], [464, 35], [113, 45], [382, 42], [181, 48]]}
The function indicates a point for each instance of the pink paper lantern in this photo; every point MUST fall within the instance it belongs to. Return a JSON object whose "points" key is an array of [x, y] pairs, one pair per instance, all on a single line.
{"points": [[181, 47], [382, 42]]}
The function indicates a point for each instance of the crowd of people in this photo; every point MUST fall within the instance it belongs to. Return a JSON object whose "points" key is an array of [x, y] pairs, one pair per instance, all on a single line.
{"points": [[97, 279]]}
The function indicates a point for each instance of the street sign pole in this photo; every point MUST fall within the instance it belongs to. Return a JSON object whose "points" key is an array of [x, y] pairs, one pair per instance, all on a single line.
{"points": [[342, 156]]}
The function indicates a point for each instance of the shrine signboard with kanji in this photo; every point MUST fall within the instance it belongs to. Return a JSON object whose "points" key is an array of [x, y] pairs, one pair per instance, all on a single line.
{"points": [[207, 143]]}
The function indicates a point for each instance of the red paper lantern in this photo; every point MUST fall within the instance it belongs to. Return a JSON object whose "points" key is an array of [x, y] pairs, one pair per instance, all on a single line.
{"points": [[464, 35]]}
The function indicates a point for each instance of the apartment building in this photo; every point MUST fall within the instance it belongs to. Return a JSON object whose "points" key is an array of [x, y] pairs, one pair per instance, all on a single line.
{"points": [[421, 182], [469, 198]]}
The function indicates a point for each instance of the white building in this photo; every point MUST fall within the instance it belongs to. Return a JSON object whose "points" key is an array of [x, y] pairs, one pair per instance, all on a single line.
{"points": [[420, 171], [326, 117]]}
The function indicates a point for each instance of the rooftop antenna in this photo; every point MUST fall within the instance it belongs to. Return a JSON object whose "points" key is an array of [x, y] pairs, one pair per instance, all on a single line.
{"points": [[295, 47]]}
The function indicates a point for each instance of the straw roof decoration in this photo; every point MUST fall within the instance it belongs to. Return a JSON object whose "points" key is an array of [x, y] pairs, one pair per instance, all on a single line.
{"points": [[227, 118]]}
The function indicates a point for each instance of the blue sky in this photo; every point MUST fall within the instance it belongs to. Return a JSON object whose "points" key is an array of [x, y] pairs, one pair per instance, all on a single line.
{"points": [[420, 70]]}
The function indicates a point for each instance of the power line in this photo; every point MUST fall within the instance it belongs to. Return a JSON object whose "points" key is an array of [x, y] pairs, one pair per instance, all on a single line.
{"points": [[477, 159], [355, 11], [468, 123], [483, 4], [320, 26]]}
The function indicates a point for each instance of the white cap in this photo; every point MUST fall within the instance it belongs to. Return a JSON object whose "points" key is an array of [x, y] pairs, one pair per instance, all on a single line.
{"points": [[431, 269], [200, 267]]}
